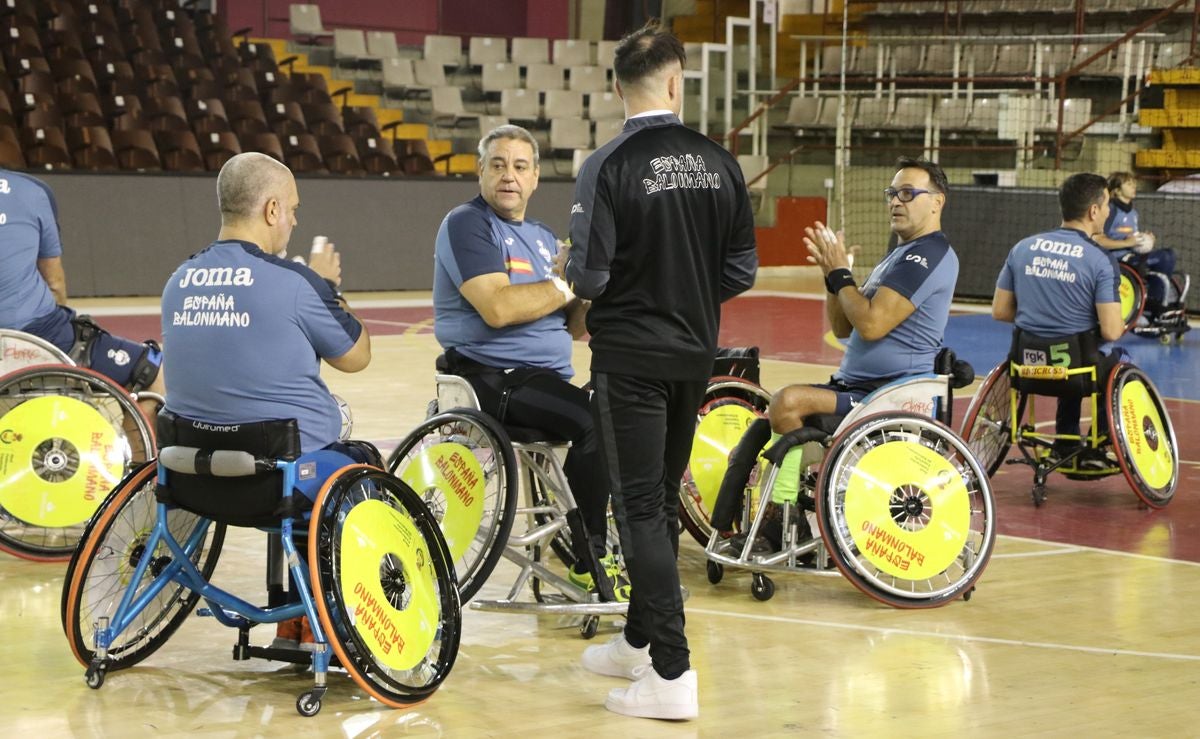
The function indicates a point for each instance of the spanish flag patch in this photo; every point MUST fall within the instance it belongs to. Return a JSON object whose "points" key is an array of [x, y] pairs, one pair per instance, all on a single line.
{"points": [[519, 266]]}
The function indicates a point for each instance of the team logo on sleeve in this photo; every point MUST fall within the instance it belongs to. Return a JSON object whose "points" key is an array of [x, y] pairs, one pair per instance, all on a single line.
{"points": [[918, 259], [577, 209]]}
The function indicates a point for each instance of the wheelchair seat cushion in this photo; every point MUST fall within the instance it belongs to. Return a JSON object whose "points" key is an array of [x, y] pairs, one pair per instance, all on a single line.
{"points": [[1041, 362]]}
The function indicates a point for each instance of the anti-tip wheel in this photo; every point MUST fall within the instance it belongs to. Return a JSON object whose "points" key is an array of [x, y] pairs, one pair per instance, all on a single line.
{"points": [[715, 572], [762, 587], [589, 627]]}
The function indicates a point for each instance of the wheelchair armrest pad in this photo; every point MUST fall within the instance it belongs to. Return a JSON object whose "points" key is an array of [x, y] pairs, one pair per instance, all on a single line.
{"points": [[790, 440], [219, 463]]}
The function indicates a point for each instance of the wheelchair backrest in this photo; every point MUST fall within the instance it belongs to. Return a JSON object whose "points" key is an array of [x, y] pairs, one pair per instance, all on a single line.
{"points": [[19, 350], [922, 394], [247, 500], [1053, 365]]}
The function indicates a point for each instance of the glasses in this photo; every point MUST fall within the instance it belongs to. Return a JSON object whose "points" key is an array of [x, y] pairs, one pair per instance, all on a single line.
{"points": [[905, 194]]}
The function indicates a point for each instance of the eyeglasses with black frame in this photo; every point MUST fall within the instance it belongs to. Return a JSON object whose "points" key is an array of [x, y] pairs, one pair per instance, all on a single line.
{"points": [[904, 194]]}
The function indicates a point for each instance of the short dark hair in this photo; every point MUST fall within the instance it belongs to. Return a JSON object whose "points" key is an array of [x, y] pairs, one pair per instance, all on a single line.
{"points": [[1079, 192], [645, 51], [937, 176]]}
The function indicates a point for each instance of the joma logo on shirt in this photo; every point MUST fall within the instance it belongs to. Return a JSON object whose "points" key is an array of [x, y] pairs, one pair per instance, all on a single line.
{"points": [[1062, 248], [217, 277]]}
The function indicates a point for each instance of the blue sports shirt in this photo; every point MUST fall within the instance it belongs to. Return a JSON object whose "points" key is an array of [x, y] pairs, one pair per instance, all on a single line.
{"points": [[244, 333], [1121, 224], [925, 271], [1058, 278], [472, 241], [28, 232]]}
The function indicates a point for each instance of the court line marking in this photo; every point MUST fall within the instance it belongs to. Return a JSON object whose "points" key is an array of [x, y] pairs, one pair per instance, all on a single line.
{"points": [[1107, 651], [1102, 550]]}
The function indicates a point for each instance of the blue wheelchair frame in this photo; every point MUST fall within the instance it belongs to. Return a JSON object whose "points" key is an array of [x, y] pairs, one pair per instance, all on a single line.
{"points": [[225, 607]]}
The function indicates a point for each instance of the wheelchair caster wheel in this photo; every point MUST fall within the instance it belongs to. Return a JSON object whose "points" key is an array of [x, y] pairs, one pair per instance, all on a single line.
{"points": [[715, 572], [762, 587], [970, 591], [1165, 339], [94, 677], [1039, 496], [308, 705], [589, 627]]}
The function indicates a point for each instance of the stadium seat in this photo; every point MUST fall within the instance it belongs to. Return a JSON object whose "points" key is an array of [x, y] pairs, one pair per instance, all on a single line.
{"points": [[324, 119], [428, 73], [445, 50], [91, 148], [953, 113], [605, 105], [360, 121], [570, 133], [803, 113], [376, 155], [246, 117], [527, 51], [484, 50], [520, 105], [572, 52], [381, 45], [541, 77], [45, 148], [448, 107], [164, 114], [606, 52], [264, 142], [304, 23], [136, 150], [207, 115], [398, 77], [302, 154], [497, 76], [349, 47], [179, 151], [588, 79], [607, 130], [563, 104], [340, 154], [218, 148]]}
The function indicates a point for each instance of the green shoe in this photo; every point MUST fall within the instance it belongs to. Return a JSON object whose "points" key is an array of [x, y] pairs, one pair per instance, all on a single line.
{"points": [[612, 568]]}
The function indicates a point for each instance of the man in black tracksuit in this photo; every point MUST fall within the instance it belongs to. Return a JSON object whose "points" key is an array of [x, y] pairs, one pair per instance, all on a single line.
{"points": [[662, 232]]}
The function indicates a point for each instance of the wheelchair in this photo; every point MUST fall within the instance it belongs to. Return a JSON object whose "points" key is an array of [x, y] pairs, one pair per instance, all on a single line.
{"points": [[1168, 322], [903, 509], [67, 436], [469, 469], [732, 401], [19, 350], [1139, 442], [378, 586]]}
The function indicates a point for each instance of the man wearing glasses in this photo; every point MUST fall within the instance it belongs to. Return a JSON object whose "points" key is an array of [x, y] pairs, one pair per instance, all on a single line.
{"points": [[895, 320]]}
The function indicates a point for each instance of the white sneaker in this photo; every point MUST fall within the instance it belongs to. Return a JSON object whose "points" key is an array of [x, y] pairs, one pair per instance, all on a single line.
{"points": [[616, 658], [653, 697]]}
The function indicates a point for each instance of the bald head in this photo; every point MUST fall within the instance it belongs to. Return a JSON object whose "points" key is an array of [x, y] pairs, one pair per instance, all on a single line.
{"points": [[247, 182]]}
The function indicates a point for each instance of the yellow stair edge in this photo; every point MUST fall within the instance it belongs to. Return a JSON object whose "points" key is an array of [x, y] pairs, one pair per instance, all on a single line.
{"points": [[1159, 118], [463, 164], [1169, 158], [1178, 76]]}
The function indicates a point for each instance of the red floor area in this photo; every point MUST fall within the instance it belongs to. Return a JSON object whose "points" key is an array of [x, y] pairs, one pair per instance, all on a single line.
{"points": [[1103, 513]]}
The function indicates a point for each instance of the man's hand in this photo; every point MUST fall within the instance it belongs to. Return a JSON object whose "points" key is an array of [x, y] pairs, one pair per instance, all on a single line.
{"points": [[827, 249], [560, 259], [327, 263]]}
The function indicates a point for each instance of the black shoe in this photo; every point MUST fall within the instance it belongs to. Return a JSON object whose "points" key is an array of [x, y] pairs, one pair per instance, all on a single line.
{"points": [[1063, 449]]}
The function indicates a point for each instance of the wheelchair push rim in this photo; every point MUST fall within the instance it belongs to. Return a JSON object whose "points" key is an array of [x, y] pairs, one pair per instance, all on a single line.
{"points": [[906, 511], [19, 350], [101, 569], [720, 424], [67, 437], [383, 585], [1132, 293], [1143, 437], [986, 424]]}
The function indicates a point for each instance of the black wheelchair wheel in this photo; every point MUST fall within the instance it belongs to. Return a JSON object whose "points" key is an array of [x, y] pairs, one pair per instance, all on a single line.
{"points": [[987, 427], [102, 568], [1132, 292], [1142, 435], [384, 585], [72, 435], [905, 510], [461, 464], [731, 404]]}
